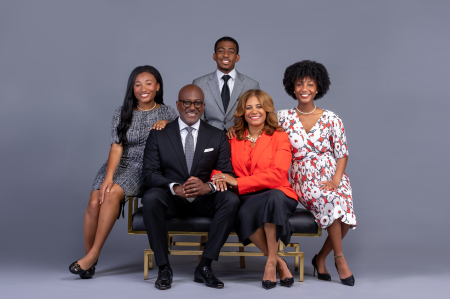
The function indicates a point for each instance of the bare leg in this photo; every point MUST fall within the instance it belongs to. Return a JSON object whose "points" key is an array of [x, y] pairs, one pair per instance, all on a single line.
{"points": [[336, 232], [328, 247], [260, 241], [109, 210], [272, 254], [90, 220]]}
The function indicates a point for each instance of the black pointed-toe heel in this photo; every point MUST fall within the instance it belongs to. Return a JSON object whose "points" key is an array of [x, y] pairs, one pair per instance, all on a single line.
{"points": [[349, 281], [268, 284], [89, 273], [288, 281], [321, 276]]}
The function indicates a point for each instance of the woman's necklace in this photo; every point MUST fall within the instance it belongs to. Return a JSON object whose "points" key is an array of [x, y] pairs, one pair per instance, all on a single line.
{"points": [[305, 112], [137, 105], [253, 140]]}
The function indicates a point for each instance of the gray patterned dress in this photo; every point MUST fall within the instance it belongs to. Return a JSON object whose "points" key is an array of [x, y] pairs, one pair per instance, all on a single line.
{"points": [[128, 174]]}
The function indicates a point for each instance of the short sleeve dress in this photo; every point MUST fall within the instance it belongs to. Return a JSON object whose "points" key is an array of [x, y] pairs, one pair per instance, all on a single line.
{"points": [[128, 174], [314, 160]]}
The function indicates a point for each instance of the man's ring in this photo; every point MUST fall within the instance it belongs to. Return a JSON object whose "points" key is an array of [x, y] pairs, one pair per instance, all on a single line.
{"points": [[223, 177], [194, 189]]}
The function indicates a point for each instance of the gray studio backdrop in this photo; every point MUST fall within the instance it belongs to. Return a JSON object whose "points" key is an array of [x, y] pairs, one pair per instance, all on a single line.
{"points": [[63, 72]]}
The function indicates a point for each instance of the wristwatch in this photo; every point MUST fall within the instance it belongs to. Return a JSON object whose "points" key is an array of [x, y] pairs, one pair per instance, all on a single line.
{"points": [[212, 186]]}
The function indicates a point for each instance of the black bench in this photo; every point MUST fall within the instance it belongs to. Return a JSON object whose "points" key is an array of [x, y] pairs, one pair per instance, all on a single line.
{"points": [[302, 221]]}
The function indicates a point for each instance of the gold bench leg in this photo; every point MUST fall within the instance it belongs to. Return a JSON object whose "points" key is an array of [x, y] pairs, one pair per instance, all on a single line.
{"points": [[146, 264], [150, 261], [242, 258], [302, 266], [169, 242], [297, 249]]}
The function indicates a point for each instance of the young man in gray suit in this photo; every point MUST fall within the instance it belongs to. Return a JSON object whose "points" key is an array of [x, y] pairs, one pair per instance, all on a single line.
{"points": [[223, 87]]}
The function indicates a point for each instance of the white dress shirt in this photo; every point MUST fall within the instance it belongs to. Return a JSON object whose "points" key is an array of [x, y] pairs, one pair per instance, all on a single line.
{"points": [[184, 134], [232, 74]]}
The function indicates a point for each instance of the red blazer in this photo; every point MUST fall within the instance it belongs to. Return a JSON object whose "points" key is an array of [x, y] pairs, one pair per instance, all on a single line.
{"points": [[270, 164]]}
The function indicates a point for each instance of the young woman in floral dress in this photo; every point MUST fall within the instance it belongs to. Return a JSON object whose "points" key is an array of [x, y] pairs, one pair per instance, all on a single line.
{"points": [[319, 159]]}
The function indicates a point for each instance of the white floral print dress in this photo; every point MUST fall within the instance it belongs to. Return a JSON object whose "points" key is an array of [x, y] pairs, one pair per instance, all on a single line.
{"points": [[314, 160]]}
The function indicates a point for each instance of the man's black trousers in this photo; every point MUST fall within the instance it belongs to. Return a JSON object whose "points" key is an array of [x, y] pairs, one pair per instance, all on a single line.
{"points": [[160, 205]]}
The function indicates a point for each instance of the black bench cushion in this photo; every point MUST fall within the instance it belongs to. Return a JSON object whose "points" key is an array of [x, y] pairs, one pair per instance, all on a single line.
{"points": [[302, 221]]}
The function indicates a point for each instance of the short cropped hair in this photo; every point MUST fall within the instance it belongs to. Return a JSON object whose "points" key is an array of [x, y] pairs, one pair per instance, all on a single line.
{"points": [[271, 122], [307, 69], [229, 39]]}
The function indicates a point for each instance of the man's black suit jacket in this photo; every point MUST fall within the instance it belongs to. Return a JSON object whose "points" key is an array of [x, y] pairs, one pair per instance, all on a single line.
{"points": [[165, 162]]}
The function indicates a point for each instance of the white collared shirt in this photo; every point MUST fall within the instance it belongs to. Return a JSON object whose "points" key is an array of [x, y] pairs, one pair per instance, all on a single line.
{"points": [[232, 74], [184, 134]]}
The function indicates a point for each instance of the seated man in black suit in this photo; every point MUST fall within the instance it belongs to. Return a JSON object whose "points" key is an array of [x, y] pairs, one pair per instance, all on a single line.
{"points": [[178, 162]]}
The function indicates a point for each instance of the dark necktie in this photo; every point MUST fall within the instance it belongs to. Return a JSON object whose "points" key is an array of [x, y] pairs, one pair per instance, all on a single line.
{"points": [[189, 148], [225, 92]]}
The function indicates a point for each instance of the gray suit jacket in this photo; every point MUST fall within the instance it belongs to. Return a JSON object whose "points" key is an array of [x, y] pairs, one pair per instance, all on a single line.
{"points": [[214, 112]]}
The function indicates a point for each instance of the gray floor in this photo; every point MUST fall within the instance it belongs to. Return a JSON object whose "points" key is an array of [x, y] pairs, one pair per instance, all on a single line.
{"points": [[116, 279]]}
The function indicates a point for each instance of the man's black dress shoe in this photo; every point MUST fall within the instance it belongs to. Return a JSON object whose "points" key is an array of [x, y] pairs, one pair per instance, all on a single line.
{"points": [[164, 280], [206, 275]]}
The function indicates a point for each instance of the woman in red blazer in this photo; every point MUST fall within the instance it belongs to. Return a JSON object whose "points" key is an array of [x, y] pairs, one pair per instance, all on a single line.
{"points": [[261, 158]]}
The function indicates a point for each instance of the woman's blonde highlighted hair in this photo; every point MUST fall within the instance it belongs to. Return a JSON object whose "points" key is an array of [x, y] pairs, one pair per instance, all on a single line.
{"points": [[271, 122]]}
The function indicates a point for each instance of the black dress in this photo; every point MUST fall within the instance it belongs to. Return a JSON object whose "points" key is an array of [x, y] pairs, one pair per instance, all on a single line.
{"points": [[265, 206]]}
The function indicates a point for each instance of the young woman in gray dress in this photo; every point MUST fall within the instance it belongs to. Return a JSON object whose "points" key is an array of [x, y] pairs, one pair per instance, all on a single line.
{"points": [[143, 109]]}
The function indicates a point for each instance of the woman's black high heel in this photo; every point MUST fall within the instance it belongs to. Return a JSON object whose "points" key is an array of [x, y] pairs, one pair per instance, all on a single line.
{"points": [[89, 273], [268, 284], [321, 276], [349, 281], [288, 281]]}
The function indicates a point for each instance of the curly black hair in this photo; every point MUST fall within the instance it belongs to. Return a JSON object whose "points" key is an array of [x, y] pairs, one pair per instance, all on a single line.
{"points": [[307, 69]]}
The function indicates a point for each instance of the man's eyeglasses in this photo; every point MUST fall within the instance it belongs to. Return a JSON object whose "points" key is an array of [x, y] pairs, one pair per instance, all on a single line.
{"points": [[187, 104]]}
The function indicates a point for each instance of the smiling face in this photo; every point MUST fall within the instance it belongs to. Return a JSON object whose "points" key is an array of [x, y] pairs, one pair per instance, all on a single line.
{"points": [[254, 114], [190, 95], [226, 56], [305, 90], [145, 87]]}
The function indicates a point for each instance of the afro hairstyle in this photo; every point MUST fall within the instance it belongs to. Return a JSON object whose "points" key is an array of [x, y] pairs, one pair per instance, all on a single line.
{"points": [[307, 69]]}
